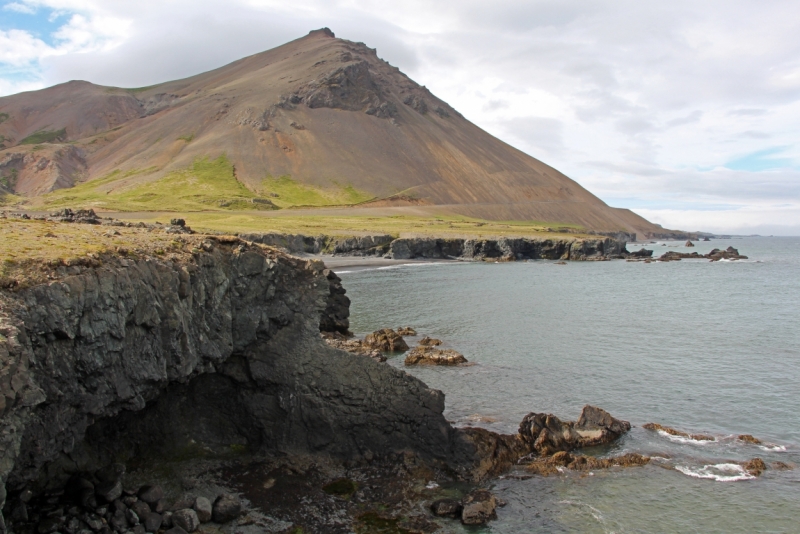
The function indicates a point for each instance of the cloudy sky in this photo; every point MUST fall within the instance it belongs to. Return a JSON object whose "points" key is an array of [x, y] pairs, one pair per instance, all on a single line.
{"points": [[687, 112]]}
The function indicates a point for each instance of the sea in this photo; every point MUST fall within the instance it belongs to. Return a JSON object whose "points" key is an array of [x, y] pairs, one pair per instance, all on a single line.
{"points": [[703, 347]]}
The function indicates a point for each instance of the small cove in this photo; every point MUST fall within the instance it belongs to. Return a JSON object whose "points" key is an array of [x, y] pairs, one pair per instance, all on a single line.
{"points": [[699, 346]]}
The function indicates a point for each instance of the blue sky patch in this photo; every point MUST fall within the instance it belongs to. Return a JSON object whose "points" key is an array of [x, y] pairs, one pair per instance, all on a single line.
{"points": [[41, 24], [763, 160]]}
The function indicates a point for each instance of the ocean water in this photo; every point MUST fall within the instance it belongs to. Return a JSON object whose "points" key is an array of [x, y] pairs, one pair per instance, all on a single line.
{"points": [[703, 347]]}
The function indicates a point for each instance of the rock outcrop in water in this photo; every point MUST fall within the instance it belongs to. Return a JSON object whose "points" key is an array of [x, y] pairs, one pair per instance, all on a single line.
{"points": [[426, 355], [715, 255], [547, 434]]}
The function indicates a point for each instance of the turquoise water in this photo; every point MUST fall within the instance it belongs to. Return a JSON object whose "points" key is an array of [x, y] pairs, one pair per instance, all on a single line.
{"points": [[702, 347]]}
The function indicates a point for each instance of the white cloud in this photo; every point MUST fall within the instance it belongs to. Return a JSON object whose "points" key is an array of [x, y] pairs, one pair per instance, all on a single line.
{"points": [[19, 8], [631, 99]]}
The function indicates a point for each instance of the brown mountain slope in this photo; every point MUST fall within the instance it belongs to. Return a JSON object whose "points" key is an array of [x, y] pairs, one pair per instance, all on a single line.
{"points": [[324, 111]]}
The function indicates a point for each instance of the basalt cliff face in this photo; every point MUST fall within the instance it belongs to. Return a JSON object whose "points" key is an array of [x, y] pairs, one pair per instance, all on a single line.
{"points": [[404, 248], [146, 356]]}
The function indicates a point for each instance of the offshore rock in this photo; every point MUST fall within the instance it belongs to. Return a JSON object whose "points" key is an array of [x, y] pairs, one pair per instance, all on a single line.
{"points": [[387, 340], [547, 434], [406, 331], [425, 355], [689, 244], [478, 507], [430, 342]]}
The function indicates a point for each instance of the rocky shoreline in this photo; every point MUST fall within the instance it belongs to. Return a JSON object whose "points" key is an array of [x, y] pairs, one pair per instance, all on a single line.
{"points": [[210, 350]]}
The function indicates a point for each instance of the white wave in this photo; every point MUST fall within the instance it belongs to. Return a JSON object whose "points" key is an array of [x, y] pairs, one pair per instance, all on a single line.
{"points": [[718, 472], [684, 439], [772, 448], [344, 272]]}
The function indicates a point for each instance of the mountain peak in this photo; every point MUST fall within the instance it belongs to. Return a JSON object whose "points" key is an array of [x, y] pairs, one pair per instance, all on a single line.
{"points": [[322, 32]]}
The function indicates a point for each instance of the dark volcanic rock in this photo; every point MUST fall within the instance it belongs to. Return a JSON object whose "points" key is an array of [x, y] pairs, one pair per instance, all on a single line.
{"points": [[478, 508], [186, 519], [220, 348], [447, 508], [226, 508], [336, 317]]}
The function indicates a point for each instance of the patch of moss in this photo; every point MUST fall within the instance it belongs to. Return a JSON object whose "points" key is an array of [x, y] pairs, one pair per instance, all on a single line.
{"points": [[344, 488], [4, 117], [45, 136], [188, 138]]}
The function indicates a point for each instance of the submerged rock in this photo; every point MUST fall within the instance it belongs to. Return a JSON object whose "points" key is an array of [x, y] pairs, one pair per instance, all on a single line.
{"points": [[747, 438], [431, 356], [755, 467], [550, 465], [673, 432]]}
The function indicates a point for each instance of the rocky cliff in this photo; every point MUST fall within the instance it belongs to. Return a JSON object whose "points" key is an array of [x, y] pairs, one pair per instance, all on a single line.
{"points": [[217, 346], [523, 248]]}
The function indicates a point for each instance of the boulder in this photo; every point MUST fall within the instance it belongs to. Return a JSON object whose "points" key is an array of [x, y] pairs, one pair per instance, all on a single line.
{"points": [[202, 506], [478, 507], [430, 342], [689, 244], [406, 331], [226, 508], [186, 519], [141, 508], [109, 491], [446, 508], [152, 522], [386, 339], [431, 356], [151, 494]]}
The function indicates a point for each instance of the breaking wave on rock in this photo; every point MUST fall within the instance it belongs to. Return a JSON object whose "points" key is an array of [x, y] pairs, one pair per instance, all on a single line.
{"points": [[726, 472]]}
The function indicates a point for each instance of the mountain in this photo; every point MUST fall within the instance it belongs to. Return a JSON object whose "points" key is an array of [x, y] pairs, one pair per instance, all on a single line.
{"points": [[317, 121]]}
